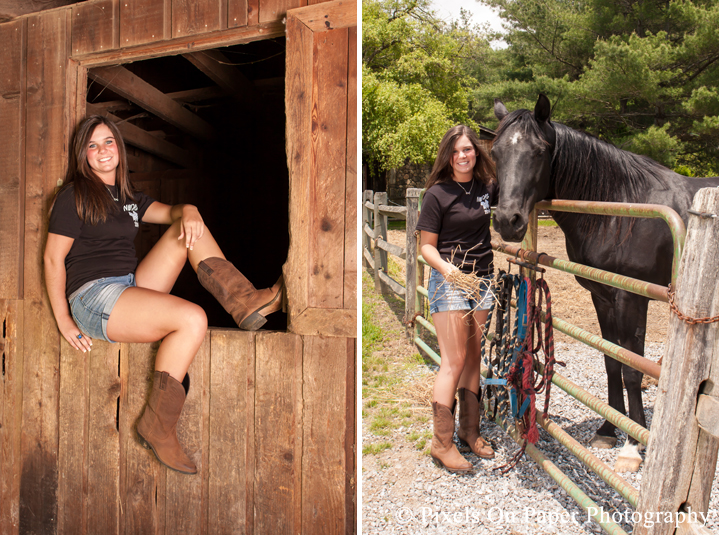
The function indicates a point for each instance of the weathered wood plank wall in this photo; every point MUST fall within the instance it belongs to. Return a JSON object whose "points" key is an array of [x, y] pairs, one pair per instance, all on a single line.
{"points": [[270, 416], [45, 149]]}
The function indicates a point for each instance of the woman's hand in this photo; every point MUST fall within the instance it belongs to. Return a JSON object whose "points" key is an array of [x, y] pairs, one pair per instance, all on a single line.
{"points": [[447, 268], [70, 332], [192, 227]]}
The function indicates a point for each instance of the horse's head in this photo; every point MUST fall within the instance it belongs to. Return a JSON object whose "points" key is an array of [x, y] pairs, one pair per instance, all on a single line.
{"points": [[522, 151]]}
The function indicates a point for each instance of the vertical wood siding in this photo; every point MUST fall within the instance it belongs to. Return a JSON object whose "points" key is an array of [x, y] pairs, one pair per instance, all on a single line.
{"points": [[12, 157]]}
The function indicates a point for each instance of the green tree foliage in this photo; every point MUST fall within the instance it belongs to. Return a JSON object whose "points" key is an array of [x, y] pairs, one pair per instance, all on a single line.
{"points": [[642, 74], [415, 80]]}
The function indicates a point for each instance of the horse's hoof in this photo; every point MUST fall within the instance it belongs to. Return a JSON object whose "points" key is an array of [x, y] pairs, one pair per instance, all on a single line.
{"points": [[627, 464], [603, 442], [628, 459]]}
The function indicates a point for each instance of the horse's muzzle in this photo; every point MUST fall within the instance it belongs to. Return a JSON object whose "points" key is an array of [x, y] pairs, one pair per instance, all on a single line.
{"points": [[512, 227]]}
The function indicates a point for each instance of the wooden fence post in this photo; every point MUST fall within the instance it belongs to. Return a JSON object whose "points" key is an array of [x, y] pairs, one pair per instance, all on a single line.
{"points": [[380, 231], [412, 276], [682, 451], [367, 195]]}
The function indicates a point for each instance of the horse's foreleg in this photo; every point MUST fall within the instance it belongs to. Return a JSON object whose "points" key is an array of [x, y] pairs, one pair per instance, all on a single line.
{"points": [[622, 318]]}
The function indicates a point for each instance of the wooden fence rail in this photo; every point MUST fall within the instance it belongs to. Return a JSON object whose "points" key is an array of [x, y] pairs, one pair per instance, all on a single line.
{"points": [[375, 217]]}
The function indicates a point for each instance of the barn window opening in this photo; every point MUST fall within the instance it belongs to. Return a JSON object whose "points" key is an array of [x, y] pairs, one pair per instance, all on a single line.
{"points": [[208, 128]]}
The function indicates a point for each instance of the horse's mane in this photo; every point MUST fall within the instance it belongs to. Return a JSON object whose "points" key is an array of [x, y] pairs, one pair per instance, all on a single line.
{"points": [[587, 168]]}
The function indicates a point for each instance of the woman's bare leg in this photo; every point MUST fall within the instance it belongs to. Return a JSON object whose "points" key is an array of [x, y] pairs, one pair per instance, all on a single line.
{"points": [[453, 329], [144, 315], [148, 313], [162, 265], [472, 363]]}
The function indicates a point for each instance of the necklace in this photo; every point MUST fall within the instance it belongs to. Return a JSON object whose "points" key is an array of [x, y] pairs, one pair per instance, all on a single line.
{"points": [[464, 190], [116, 199]]}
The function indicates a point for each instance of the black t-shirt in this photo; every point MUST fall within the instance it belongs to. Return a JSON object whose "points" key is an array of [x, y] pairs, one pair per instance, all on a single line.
{"points": [[461, 222], [103, 250]]}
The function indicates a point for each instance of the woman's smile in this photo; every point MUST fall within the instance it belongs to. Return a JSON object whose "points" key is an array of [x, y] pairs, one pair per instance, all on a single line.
{"points": [[102, 154]]}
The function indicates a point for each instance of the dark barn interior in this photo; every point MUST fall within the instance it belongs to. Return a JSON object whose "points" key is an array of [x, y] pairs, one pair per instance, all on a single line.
{"points": [[208, 128]]}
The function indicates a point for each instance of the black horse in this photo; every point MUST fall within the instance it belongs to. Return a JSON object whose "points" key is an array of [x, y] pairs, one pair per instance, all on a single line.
{"points": [[538, 159]]}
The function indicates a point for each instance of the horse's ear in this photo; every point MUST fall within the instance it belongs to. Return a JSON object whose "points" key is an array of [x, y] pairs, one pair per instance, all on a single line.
{"points": [[543, 109], [500, 110]]}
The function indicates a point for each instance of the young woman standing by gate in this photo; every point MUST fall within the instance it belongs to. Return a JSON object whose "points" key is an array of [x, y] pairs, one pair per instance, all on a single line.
{"points": [[454, 228], [98, 290]]}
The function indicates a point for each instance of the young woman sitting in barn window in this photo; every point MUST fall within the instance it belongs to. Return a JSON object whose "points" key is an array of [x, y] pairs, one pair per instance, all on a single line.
{"points": [[98, 290]]}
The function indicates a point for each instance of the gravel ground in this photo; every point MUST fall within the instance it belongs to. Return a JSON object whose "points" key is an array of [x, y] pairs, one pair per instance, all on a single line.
{"points": [[403, 492]]}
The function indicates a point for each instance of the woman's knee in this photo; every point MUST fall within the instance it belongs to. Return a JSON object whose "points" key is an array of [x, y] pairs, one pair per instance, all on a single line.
{"points": [[194, 319]]}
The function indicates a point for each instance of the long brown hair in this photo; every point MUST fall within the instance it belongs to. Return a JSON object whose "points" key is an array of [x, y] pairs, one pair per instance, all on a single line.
{"points": [[92, 199], [484, 168]]}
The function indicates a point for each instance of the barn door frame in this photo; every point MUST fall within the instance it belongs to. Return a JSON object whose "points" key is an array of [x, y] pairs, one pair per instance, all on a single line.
{"points": [[321, 107]]}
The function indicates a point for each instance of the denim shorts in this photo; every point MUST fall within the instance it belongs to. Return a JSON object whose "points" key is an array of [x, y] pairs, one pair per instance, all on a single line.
{"points": [[443, 296], [92, 304]]}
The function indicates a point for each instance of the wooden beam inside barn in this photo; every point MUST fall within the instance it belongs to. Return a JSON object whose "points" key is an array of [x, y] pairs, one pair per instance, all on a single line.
{"points": [[218, 68], [189, 95], [135, 89]]}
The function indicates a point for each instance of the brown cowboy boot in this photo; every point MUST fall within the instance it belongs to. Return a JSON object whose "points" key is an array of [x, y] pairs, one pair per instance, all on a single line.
{"points": [[247, 305], [444, 452], [468, 432], [157, 427]]}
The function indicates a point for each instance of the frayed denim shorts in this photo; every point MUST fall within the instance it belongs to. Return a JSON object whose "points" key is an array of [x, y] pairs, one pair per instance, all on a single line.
{"points": [[92, 304], [444, 297]]}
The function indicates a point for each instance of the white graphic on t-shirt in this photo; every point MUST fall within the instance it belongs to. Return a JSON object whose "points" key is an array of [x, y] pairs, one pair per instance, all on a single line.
{"points": [[484, 201], [132, 210]]}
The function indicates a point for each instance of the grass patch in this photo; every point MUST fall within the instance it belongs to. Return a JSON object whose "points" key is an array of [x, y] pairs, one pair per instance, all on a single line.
{"points": [[397, 225], [374, 449], [387, 404], [394, 269], [546, 222]]}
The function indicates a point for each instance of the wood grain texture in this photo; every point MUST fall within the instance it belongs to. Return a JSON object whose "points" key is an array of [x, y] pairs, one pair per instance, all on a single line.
{"points": [[317, 99], [690, 359], [187, 43], [237, 13], [89, 440], [12, 157], [144, 21], [340, 322], [328, 426], [350, 223], [278, 454], [73, 430], [11, 350], [191, 17], [95, 26], [414, 276], [327, 188], [277, 9], [143, 480], [231, 462], [298, 109], [330, 15], [184, 494], [350, 440], [45, 160], [102, 458], [253, 12]]}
